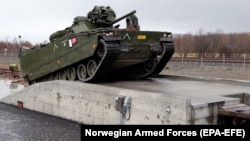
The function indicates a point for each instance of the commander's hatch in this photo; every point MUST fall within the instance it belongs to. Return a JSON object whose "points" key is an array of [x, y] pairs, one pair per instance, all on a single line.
{"points": [[132, 23]]}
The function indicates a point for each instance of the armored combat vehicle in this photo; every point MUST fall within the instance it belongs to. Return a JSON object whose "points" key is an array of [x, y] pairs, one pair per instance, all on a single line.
{"points": [[94, 49]]}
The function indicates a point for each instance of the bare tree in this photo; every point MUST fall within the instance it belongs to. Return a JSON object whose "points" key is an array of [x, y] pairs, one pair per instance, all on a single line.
{"points": [[187, 44], [177, 44]]}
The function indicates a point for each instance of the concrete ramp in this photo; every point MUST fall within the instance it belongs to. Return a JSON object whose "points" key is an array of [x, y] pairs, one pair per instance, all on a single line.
{"points": [[98, 104]]}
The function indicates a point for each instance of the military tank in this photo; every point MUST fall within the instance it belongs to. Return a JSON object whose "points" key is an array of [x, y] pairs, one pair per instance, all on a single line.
{"points": [[94, 49]]}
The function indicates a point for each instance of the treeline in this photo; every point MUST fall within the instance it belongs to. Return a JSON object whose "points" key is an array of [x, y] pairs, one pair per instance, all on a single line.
{"points": [[216, 44], [12, 47]]}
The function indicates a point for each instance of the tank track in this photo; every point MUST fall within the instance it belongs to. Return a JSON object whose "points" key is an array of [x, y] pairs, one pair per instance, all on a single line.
{"points": [[111, 51], [138, 72], [169, 51]]}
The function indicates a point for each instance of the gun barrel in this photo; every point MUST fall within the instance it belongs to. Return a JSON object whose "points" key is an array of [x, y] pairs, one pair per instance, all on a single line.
{"points": [[124, 16]]}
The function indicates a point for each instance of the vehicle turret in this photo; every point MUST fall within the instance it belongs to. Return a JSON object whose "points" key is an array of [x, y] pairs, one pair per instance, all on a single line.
{"points": [[99, 17]]}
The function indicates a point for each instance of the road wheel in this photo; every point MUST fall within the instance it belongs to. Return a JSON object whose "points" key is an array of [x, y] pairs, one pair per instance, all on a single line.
{"points": [[91, 67]]}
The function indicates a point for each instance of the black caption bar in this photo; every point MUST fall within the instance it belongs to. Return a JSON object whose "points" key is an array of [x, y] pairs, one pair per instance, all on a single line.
{"points": [[165, 131]]}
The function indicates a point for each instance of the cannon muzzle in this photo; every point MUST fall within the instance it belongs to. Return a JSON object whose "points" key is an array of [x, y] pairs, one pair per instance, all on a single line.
{"points": [[122, 17]]}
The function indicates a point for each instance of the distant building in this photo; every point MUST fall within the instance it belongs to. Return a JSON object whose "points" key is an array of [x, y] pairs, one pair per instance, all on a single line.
{"points": [[5, 51]]}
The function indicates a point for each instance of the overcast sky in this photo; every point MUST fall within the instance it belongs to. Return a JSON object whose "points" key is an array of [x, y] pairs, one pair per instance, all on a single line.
{"points": [[35, 20]]}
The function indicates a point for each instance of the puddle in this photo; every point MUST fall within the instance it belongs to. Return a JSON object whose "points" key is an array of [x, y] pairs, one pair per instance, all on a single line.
{"points": [[7, 88]]}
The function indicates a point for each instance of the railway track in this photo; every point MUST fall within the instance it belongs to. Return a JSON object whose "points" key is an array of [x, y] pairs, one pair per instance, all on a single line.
{"points": [[4, 68], [212, 60]]}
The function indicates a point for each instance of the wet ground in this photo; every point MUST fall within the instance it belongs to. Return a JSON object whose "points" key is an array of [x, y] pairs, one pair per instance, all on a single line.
{"points": [[24, 125]]}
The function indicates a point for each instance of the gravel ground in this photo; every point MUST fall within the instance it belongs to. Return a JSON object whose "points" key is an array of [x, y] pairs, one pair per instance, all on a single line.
{"points": [[209, 71]]}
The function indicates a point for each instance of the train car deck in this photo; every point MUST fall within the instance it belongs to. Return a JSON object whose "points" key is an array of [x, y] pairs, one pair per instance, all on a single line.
{"points": [[238, 114]]}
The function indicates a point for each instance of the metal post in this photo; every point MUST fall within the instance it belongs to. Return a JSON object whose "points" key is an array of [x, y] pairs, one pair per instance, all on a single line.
{"points": [[201, 61], [224, 61], [244, 62], [182, 61], [20, 44]]}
